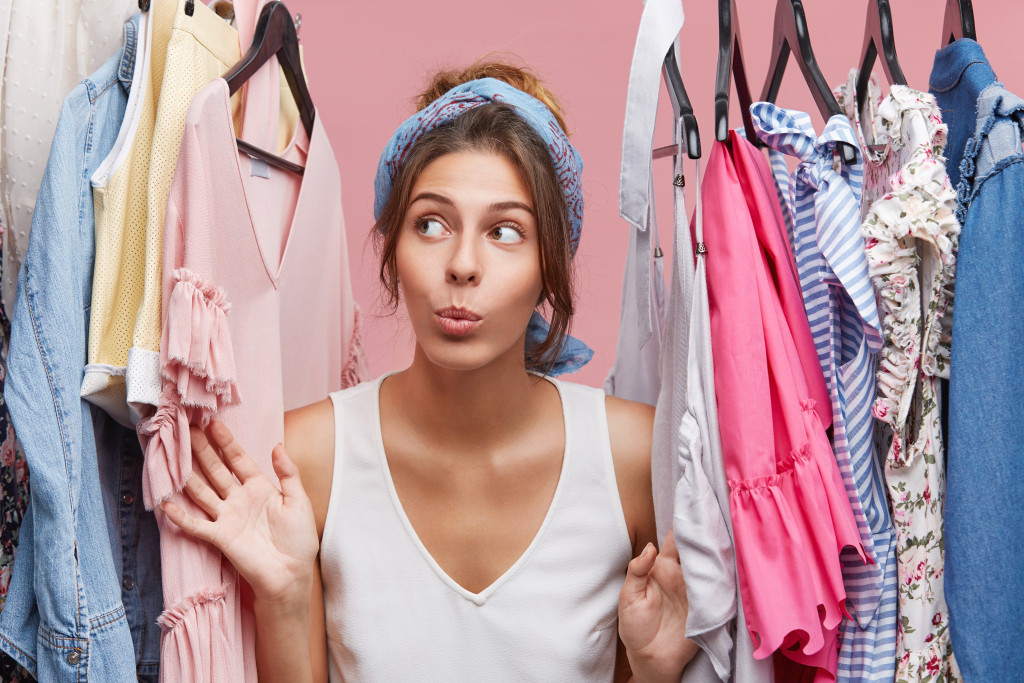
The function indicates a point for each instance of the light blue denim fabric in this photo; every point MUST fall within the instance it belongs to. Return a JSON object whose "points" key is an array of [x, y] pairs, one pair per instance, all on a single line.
{"points": [[984, 517], [64, 619]]}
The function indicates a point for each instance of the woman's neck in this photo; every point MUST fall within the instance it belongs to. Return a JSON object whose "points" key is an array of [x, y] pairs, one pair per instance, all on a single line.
{"points": [[475, 409]]}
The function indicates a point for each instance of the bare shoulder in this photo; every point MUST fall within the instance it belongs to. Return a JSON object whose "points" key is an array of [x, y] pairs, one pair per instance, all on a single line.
{"points": [[631, 431], [309, 440]]}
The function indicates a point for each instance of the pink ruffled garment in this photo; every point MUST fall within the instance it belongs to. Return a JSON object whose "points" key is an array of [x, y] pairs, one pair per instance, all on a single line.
{"points": [[790, 512], [258, 318]]}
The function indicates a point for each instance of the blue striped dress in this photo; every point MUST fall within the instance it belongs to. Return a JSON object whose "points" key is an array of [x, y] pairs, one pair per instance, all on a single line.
{"points": [[821, 206]]}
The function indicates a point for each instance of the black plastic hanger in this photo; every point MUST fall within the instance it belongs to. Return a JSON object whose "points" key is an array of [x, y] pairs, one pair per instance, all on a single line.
{"points": [[275, 35], [878, 40], [690, 132], [730, 63], [958, 21], [790, 34]]}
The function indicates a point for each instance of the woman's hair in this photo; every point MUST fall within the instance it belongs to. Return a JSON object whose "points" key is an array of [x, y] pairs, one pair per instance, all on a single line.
{"points": [[494, 128]]}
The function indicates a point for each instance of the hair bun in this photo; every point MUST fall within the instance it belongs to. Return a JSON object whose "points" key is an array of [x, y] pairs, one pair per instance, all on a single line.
{"points": [[518, 77]]}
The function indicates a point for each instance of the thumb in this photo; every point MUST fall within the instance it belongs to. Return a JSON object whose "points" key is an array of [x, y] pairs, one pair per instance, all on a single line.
{"points": [[287, 473], [669, 550], [638, 571]]}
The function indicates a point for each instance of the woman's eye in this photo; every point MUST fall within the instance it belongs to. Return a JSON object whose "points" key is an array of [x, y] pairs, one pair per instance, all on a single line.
{"points": [[506, 233], [430, 227]]}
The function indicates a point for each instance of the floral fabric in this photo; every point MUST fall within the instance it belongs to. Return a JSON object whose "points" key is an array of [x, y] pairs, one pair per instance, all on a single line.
{"points": [[911, 236]]}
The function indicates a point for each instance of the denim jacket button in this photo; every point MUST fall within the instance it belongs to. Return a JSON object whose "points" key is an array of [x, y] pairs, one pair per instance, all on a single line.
{"points": [[127, 499], [74, 657], [128, 583]]}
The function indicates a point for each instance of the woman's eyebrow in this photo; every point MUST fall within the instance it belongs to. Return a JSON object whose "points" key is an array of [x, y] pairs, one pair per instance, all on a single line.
{"points": [[505, 206], [433, 196], [493, 208]]}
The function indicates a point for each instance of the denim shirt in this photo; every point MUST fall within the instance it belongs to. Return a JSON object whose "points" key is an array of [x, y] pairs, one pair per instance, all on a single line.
{"points": [[65, 617], [984, 518]]}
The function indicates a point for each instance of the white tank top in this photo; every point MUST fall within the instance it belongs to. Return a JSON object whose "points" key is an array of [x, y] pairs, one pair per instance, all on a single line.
{"points": [[394, 615]]}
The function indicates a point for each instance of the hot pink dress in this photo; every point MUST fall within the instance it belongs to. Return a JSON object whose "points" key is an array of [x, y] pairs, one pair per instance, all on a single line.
{"points": [[790, 512], [258, 318]]}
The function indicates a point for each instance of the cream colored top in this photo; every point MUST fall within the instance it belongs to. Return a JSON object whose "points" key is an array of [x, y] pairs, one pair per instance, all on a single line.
{"points": [[394, 614], [46, 48]]}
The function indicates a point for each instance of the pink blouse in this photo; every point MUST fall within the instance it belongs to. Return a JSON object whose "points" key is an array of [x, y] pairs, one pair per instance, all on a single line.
{"points": [[790, 512], [258, 318]]}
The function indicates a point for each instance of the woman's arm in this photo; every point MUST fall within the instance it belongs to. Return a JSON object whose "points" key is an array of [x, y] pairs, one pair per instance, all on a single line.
{"points": [[652, 603], [309, 438]]}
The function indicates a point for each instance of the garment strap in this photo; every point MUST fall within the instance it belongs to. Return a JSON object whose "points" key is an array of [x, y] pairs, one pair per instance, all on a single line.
{"points": [[660, 24]]}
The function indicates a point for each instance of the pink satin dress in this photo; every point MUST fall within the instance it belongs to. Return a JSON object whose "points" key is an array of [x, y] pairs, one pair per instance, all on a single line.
{"points": [[787, 501]]}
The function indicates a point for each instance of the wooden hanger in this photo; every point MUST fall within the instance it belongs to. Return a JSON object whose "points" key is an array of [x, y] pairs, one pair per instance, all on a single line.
{"points": [[791, 35], [878, 40], [958, 21], [275, 35], [730, 64]]}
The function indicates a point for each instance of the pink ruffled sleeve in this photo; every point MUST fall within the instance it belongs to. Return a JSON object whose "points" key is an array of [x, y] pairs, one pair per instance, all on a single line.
{"points": [[202, 631], [198, 373]]}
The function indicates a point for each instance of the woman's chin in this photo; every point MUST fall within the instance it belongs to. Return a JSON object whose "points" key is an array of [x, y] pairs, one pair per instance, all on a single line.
{"points": [[466, 355]]}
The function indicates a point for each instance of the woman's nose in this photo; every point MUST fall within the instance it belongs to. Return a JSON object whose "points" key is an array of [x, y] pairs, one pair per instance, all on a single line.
{"points": [[464, 265]]}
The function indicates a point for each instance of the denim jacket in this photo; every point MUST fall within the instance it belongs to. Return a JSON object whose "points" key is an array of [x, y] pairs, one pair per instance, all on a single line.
{"points": [[65, 619], [984, 517]]}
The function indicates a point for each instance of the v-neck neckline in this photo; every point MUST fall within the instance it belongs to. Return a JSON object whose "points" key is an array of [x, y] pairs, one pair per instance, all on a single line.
{"points": [[274, 273], [479, 598]]}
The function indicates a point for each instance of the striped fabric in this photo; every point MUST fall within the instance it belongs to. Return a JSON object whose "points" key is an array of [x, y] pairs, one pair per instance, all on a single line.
{"points": [[821, 205]]}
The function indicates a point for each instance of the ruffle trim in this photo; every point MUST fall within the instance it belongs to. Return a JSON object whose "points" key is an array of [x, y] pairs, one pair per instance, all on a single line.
{"points": [[198, 356], [198, 372], [175, 615], [904, 103], [168, 448], [920, 207], [790, 529], [934, 663], [356, 368]]}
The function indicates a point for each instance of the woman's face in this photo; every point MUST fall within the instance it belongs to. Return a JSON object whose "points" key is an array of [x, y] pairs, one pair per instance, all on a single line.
{"points": [[468, 260]]}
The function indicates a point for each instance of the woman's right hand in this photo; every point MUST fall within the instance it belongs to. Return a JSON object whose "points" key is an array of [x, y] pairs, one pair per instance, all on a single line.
{"points": [[268, 535]]}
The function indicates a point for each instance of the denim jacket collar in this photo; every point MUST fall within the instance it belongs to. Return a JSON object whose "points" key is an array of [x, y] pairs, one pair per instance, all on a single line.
{"points": [[953, 60]]}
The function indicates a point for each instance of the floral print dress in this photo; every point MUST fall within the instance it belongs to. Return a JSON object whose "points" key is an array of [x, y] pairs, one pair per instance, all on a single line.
{"points": [[911, 233]]}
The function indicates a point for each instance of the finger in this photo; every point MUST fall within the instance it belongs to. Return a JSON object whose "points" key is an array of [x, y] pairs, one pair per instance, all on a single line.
{"points": [[203, 496], [669, 550], [210, 462], [202, 529], [287, 473], [240, 463], [639, 569]]}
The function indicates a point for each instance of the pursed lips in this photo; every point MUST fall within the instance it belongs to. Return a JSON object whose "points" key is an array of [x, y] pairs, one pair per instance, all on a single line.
{"points": [[457, 321]]}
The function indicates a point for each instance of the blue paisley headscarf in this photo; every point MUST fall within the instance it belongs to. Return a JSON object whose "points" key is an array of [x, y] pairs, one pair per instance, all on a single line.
{"points": [[568, 166]]}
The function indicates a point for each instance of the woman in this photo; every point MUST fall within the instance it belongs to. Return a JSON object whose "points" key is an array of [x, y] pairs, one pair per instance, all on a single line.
{"points": [[465, 518]]}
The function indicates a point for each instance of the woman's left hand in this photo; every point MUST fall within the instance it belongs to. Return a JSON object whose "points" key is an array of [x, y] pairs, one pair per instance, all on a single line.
{"points": [[652, 614]]}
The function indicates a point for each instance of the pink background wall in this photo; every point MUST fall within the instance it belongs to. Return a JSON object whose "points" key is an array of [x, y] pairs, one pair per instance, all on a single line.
{"points": [[367, 59]]}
